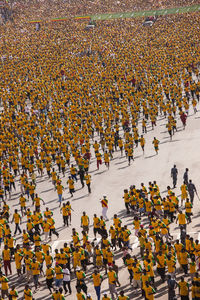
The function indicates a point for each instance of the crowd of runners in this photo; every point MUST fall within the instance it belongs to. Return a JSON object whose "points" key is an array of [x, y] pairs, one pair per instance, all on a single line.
{"points": [[69, 98]]}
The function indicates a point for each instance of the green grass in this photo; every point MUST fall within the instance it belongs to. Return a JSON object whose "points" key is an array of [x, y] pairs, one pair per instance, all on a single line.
{"points": [[146, 13], [137, 14]]}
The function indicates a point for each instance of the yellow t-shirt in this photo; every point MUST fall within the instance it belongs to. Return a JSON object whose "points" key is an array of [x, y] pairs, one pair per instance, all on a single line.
{"points": [[183, 286], [4, 283], [27, 294], [6, 254], [96, 279], [182, 219], [112, 277], [35, 268]]}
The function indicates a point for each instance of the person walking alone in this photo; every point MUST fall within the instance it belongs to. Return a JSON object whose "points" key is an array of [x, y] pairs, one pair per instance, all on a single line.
{"points": [[104, 203], [174, 173]]}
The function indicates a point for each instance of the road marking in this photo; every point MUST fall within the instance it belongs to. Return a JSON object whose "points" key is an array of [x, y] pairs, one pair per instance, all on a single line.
{"points": [[54, 245], [135, 243]]}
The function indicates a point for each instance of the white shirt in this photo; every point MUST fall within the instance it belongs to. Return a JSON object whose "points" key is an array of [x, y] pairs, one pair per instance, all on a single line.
{"points": [[66, 274]]}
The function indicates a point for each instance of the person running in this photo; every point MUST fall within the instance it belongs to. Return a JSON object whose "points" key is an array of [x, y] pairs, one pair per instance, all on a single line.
{"points": [[66, 280], [88, 181], [4, 285], [130, 155], [104, 203], [122, 296], [183, 118], [51, 221], [59, 189], [13, 294], [6, 255], [142, 142], [183, 288], [112, 277], [17, 219], [35, 268], [85, 222], [156, 143], [28, 293], [49, 278], [70, 183], [80, 276], [107, 159], [97, 280]]}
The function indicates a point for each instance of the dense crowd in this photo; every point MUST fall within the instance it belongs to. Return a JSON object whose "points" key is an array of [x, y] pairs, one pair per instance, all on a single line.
{"points": [[69, 96]]}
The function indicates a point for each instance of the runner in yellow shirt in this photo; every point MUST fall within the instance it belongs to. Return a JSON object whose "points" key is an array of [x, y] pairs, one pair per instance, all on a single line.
{"points": [[142, 142], [88, 181], [27, 293], [70, 183], [156, 143]]}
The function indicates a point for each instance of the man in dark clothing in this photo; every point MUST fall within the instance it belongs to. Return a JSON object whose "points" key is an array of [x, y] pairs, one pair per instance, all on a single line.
{"points": [[191, 190], [185, 176], [172, 285], [174, 173], [82, 176], [182, 234]]}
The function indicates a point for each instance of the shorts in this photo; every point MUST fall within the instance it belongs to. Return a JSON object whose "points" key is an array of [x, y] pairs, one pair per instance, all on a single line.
{"points": [[136, 283], [58, 282], [96, 230], [35, 279], [105, 261], [141, 209], [112, 288], [98, 262], [4, 293], [85, 228]]}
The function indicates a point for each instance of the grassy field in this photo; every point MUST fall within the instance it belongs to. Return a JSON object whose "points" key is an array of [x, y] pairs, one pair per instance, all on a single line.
{"points": [[145, 13]]}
